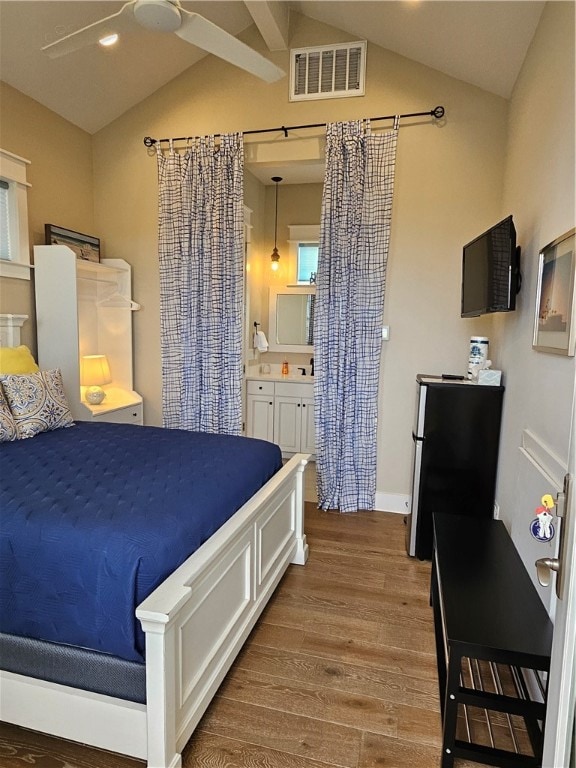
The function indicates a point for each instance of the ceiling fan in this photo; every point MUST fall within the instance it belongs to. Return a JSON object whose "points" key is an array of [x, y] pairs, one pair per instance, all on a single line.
{"points": [[169, 16]]}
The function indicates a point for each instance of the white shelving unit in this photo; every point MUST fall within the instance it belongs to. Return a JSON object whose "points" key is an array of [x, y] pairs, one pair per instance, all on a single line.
{"points": [[85, 308]]}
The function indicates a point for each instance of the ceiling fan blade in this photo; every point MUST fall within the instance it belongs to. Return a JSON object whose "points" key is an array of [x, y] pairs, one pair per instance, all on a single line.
{"points": [[90, 35], [204, 34]]}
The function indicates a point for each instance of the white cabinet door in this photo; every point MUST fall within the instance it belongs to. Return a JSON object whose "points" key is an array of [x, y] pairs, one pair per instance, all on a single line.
{"points": [[308, 431], [260, 418], [287, 422]]}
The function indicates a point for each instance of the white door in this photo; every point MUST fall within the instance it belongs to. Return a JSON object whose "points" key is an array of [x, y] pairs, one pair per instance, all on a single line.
{"points": [[559, 731]]}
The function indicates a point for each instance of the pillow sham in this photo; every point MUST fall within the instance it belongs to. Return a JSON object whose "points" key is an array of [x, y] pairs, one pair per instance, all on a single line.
{"points": [[37, 402], [7, 424], [17, 360]]}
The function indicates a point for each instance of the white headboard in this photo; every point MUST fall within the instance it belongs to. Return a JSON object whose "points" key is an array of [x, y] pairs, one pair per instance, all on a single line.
{"points": [[10, 329]]}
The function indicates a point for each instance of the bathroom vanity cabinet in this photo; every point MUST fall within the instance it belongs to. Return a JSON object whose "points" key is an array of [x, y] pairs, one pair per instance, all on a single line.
{"points": [[281, 411]]}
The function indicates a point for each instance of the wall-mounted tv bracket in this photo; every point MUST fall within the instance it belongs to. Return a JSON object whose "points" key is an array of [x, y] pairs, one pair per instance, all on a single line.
{"points": [[518, 273]]}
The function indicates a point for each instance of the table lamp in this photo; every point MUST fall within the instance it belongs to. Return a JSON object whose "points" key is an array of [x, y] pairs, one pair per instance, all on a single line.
{"points": [[94, 371]]}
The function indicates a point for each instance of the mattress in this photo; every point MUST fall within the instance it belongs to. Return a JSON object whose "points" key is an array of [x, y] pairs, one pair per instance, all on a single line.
{"points": [[94, 517]]}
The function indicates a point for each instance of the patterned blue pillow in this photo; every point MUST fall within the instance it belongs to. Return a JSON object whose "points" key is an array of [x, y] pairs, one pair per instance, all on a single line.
{"points": [[7, 423], [37, 402]]}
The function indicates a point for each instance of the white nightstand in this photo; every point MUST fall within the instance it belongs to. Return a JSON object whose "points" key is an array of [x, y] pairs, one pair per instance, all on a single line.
{"points": [[120, 407]]}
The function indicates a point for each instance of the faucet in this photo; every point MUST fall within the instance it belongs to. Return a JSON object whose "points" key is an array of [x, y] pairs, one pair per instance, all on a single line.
{"points": [[312, 364]]}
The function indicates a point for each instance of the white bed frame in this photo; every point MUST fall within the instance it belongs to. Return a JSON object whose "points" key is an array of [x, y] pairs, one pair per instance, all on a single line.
{"points": [[195, 623]]}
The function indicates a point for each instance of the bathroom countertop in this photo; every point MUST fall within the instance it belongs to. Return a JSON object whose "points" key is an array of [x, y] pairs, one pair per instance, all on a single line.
{"points": [[296, 378]]}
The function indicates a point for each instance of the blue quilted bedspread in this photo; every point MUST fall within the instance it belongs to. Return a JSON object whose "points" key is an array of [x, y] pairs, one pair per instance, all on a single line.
{"points": [[94, 517]]}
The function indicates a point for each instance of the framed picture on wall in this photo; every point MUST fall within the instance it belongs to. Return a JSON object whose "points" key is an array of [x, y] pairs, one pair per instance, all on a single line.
{"points": [[85, 247], [554, 329]]}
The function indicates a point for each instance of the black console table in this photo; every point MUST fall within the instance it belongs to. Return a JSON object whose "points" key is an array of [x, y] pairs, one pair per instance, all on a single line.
{"points": [[493, 637]]}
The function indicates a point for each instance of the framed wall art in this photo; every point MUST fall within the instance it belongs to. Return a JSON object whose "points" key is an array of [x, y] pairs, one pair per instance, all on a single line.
{"points": [[85, 247], [554, 322]]}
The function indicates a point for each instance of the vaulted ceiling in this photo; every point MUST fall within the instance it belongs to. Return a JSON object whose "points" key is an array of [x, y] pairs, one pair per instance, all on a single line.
{"points": [[482, 43]]}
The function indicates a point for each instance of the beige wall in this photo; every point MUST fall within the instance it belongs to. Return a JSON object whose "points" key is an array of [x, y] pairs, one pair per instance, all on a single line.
{"points": [[448, 188], [540, 191], [254, 199], [60, 173], [298, 204]]}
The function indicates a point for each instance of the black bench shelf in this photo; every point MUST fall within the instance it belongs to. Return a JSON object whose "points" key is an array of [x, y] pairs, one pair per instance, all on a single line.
{"points": [[493, 642]]}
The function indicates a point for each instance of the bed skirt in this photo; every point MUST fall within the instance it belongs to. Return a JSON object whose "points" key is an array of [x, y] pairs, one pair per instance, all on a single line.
{"points": [[77, 667]]}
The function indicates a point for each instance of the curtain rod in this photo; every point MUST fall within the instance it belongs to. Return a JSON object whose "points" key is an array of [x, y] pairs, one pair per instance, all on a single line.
{"points": [[437, 113]]}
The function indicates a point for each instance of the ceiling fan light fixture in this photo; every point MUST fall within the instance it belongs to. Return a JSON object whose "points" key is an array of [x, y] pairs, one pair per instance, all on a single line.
{"points": [[109, 40], [275, 256], [158, 15], [170, 16]]}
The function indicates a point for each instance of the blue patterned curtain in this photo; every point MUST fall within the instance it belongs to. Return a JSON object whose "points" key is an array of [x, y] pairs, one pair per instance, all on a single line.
{"points": [[201, 253], [354, 236]]}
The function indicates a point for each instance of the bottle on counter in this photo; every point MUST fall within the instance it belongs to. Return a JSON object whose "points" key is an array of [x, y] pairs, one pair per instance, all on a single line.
{"points": [[285, 368]]}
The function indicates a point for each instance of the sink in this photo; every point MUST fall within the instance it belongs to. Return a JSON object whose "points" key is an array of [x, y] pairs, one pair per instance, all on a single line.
{"points": [[298, 377]]}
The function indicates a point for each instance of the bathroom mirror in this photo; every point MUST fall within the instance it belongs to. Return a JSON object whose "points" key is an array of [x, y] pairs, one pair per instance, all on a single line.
{"points": [[291, 319]]}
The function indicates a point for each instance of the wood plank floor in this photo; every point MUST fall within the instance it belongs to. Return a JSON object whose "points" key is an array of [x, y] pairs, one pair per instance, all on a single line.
{"points": [[339, 671]]}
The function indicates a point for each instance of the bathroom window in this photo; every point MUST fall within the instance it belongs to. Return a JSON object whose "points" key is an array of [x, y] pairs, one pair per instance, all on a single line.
{"points": [[303, 242], [4, 220], [307, 262]]}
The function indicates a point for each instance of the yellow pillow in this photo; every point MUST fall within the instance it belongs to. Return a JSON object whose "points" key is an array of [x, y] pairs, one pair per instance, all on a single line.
{"points": [[17, 360]]}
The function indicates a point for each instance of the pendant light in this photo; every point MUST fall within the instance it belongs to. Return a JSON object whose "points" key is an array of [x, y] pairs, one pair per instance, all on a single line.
{"points": [[275, 257]]}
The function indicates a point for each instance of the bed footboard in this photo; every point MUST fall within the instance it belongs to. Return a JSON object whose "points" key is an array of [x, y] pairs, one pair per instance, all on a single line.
{"points": [[195, 623], [198, 619]]}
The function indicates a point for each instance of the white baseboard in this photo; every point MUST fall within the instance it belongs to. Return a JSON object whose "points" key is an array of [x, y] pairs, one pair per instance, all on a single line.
{"points": [[392, 502]]}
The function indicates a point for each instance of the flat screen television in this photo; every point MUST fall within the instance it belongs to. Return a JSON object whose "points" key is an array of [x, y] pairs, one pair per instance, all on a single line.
{"points": [[491, 271]]}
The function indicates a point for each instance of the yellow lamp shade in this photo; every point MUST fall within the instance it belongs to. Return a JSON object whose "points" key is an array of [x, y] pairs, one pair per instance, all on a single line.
{"points": [[94, 371]]}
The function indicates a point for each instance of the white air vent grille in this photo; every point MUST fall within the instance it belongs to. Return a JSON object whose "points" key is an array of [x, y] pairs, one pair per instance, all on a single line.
{"points": [[328, 71]]}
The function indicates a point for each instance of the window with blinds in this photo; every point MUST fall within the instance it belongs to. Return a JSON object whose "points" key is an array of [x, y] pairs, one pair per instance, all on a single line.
{"points": [[14, 241], [307, 262], [328, 71], [4, 220]]}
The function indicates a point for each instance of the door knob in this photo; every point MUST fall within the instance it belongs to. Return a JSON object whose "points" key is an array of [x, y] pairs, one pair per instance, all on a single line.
{"points": [[544, 566]]}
